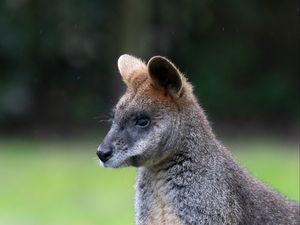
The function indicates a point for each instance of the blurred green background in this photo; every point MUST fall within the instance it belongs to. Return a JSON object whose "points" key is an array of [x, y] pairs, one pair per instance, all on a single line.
{"points": [[59, 78], [60, 182]]}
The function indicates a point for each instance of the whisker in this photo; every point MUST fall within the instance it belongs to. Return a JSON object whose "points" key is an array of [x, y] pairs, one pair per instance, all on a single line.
{"points": [[108, 118]]}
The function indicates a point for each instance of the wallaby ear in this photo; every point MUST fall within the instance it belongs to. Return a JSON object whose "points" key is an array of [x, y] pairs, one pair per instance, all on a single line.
{"points": [[164, 74], [130, 67]]}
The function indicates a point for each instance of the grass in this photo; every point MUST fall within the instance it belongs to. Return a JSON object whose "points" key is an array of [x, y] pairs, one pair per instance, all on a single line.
{"points": [[60, 183]]}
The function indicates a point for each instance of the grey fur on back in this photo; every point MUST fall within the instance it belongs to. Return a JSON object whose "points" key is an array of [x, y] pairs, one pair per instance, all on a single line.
{"points": [[185, 177]]}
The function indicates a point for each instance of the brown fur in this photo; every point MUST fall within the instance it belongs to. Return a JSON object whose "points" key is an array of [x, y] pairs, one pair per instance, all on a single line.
{"points": [[186, 177]]}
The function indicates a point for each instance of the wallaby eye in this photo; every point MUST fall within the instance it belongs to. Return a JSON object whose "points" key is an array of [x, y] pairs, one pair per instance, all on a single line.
{"points": [[142, 122]]}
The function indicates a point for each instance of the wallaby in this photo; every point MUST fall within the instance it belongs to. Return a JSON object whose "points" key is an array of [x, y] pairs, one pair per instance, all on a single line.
{"points": [[185, 176]]}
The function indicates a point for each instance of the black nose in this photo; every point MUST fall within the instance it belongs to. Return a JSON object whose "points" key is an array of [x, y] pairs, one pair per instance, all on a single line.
{"points": [[104, 153]]}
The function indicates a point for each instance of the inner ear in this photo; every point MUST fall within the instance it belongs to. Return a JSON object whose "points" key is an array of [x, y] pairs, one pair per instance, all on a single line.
{"points": [[164, 74]]}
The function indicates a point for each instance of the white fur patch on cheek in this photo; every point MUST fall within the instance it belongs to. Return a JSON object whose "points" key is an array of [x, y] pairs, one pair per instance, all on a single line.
{"points": [[139, 147]]}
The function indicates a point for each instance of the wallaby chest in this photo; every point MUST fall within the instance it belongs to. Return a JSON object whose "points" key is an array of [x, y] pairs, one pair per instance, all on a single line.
{"points": [[154, 200]]}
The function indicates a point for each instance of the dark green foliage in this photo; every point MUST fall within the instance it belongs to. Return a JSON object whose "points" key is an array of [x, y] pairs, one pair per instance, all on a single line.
{"points": [[58, 58]]}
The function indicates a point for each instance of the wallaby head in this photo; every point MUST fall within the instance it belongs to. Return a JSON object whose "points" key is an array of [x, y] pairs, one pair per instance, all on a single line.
{"points": [[148, 117]]}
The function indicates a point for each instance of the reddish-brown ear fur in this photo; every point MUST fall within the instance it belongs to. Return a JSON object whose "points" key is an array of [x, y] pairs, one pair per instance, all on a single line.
{"points": [[165, 75], [132, 70]]}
